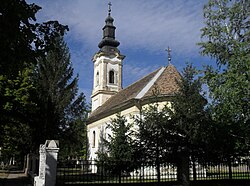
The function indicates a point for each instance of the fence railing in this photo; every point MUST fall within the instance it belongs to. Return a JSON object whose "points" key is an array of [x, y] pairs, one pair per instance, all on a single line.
{"points": [[94, 172]]}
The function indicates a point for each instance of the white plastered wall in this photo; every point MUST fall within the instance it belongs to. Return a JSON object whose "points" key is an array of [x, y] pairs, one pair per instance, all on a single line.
{"points": [[101, 125]]}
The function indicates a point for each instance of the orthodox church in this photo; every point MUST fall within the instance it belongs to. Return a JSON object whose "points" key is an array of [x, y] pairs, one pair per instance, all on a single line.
{"points": [[108, 96]]}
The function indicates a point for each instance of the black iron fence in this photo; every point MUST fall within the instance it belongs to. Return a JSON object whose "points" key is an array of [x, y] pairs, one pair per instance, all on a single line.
{"points": [[94, 172]]}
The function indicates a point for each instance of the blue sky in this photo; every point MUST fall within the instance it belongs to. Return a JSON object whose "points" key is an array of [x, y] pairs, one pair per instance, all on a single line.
{"points": [[145, 28]]}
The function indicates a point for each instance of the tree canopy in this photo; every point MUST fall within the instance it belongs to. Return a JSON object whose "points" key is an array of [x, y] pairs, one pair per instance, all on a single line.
{"points": [[226, 38], [177, 131], [27, 50], [59, 106], [117, 147]]}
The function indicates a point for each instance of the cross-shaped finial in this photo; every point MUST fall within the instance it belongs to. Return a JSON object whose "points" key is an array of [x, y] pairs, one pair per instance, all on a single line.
{"points": [[169, 55], [109, 4]]}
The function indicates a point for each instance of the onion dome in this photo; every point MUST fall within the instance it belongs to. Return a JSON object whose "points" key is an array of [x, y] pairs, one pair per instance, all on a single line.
{"points": [[108, 43]]}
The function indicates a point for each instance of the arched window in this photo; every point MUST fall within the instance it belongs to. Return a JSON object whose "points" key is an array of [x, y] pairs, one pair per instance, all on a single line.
{"points": [[111, 77], [97, 78], [93, 138]]}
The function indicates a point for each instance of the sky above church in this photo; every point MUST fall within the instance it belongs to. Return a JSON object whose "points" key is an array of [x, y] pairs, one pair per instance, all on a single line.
{"points": [[145, 28]]}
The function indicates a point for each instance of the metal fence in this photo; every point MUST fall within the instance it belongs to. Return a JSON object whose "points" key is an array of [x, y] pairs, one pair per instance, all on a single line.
{"points": [[94, 172]]}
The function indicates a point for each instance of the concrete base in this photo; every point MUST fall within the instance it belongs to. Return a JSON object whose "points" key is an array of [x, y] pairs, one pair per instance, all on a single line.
{"points": [[38, 181]]}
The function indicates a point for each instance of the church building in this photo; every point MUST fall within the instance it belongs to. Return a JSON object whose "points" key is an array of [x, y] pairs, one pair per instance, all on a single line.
{"points": [[108, 96]]}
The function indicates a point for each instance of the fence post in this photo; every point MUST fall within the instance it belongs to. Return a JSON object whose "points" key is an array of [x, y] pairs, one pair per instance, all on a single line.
{"points": [[230, 168], [27, 169], [120, 176], [102, 170]]}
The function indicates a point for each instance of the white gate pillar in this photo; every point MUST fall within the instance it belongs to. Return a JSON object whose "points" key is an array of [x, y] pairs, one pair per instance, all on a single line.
{"points": [[47, 164]]}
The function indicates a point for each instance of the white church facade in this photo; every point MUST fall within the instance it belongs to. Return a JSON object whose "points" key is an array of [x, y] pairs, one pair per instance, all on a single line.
{"points": [[108, 96]]}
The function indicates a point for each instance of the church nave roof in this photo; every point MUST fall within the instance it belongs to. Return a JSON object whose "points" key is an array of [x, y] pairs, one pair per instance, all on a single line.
{"points": [[161, 82]]}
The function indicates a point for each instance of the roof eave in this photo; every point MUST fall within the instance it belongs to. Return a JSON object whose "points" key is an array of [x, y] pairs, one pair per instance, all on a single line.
{"points": [[132, 102]]}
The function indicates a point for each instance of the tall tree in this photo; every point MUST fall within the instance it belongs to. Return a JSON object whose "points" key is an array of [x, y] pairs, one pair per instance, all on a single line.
{"points": [[152, 140], [117, 147], [226, 39], [22, 40], [189, 121], [177, 131], [62, 112]]}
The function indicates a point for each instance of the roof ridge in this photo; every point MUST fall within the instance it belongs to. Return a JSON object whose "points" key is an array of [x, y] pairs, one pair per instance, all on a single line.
{"points": [[150, 83], [121, 92]]}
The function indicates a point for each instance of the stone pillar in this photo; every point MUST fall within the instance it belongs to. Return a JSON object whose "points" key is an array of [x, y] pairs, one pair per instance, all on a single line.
{"points": [[27, 169], [51, 162], [33, 169], [47, 164]]}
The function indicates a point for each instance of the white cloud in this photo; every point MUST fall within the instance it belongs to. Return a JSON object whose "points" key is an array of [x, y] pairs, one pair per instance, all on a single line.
{"points": [[143, 26], [135, 72], [150, 25]]}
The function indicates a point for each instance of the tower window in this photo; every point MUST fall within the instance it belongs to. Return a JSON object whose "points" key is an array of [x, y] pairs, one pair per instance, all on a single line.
{"points": [[97, 78], [93, 138], [111, 77]]}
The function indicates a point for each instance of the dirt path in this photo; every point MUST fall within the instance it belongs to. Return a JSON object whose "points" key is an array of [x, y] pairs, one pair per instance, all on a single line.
{"points": [[14, 179]]}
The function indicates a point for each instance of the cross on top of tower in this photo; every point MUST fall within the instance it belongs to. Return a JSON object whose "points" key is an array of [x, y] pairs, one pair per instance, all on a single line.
{"points": [[109, 8], [169, 55]]}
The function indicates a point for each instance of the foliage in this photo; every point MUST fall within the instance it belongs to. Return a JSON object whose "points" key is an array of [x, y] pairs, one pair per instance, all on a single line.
{"points": [[61, 112], [178, 130], [190, 123], [183, 123], [153, 144], [17, 107], [151, 137], [227, 38], [17, 35], [22, 41], [117, 148], [227, 29], [188, 115]]}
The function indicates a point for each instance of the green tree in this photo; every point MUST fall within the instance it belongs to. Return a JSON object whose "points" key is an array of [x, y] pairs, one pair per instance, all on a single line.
{"points": [[15, 126], [16, 55], [189, 122], [61, 112], [152, 147], [226, 39], [22, 40], [75, 143], [117, 148], [177, 132]]}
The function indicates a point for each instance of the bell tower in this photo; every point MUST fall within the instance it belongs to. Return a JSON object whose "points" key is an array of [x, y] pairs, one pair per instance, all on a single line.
{"points": [[107, 65]]}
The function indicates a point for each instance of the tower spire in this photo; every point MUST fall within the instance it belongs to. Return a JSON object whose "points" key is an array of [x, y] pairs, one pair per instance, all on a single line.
{"points": [[108, 43]]}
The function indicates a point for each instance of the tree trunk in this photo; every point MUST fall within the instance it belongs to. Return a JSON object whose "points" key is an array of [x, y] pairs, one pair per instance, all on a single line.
{"points": [[158, 171], [183, 169]]}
